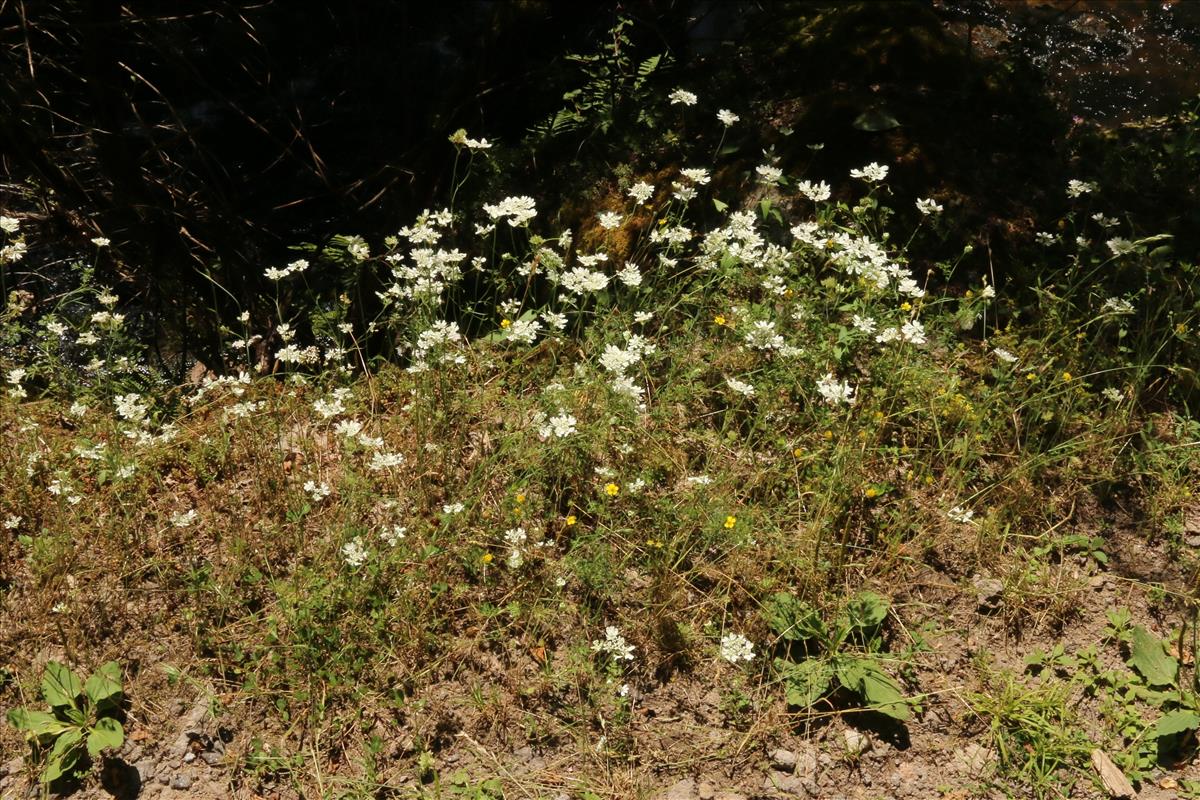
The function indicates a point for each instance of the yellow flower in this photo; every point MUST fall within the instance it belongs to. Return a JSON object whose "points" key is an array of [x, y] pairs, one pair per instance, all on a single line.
{"points": [[520, 497], [719, 319], [571, 520], [730, 521], [828, 435], [1066, 376], [798, 452], [505, 323], [487, 558], [611, 489], [906, 306], [871, 492]]}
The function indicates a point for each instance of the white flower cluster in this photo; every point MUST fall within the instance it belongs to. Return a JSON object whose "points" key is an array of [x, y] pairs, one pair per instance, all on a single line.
{"points": [[871, 173], [762, 336], [560, 426], [1076, 187], [641, 192], [619, 361], [460, 139], [682, 97], [929, 206], [581, 280], [329, 407], [291, 269], [912, 332], [740, 387], [817, 192], [735, 648], [515, 538], [518, 209], [441, 334], [1118, 305], [1120, 246], [316, 491], [961, 515], [354, 553], [835, 392], [614, 644], [132, 408]]}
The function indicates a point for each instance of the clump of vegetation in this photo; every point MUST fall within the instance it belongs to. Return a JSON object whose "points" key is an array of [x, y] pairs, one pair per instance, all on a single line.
{"points": [[678, 443]]}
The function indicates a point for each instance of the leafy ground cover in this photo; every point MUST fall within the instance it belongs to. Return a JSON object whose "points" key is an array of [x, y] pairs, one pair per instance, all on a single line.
{"points": [[735, 492]]}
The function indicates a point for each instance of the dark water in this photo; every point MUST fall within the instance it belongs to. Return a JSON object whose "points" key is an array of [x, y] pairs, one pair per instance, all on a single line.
{"points": [[1109, 61]]}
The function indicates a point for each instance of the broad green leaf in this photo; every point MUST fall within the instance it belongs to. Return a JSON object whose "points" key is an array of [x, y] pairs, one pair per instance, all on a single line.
{"points": [[866, 611], [1148, 657], [718, 205], [883, 694], [60, 687], [63, 756], [1177, 722], [107, 733], [37, 723], [103, 686], [806, 682], [874, 686], [794, 619], [876, 119]]}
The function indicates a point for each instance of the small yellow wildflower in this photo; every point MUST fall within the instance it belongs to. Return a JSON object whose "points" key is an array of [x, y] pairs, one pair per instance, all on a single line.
{"points": [[611, 489], [730, 521], [487, 558], [798, 452], [871, 492], [520, 497], [719, 319], [906, 306], [1066, 376], [969, 294], [505, 323], [828, 435], [571, 520]]}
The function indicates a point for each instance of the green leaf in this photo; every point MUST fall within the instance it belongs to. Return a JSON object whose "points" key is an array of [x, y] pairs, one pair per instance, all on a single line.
{"points": [[876, 119], [806, 682], [1177, 722], [866, 611], [794, 619], [883, 695], [60, 687], [63, 756], [874, 686], [1148, 656], [718, 205], [37, 724], [107, 733]]}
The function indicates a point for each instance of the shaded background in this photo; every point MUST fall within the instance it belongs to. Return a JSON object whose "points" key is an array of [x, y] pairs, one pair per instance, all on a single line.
{"points": [[205, 143]]}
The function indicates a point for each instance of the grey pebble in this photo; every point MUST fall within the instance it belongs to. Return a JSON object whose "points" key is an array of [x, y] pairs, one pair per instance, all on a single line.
{"points": [[783, 760]]}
